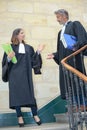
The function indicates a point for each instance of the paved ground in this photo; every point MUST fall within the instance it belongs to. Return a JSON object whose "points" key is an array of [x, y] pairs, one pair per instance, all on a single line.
{"points": [[47, 126]]}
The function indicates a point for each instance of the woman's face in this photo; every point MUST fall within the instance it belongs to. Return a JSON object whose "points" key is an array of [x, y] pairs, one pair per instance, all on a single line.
{"points": [[21, 36]]}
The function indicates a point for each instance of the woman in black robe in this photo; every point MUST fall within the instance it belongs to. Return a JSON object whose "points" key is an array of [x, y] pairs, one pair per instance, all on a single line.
{"points": [[77, 30], [21, 91]]}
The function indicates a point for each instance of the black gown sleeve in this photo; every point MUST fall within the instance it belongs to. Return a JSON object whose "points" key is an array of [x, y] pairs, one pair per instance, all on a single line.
{"points": [[36, 62], [56, 54], [5, 68], [56, 57], [81, 35]]}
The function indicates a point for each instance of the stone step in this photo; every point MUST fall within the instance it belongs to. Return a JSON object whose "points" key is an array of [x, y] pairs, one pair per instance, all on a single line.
{"points": [[45, 126], [63, 118]]}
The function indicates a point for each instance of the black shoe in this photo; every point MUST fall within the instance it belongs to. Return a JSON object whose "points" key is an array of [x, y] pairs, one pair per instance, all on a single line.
{"points": [[38, 122], [21, 124], [20, 121]]}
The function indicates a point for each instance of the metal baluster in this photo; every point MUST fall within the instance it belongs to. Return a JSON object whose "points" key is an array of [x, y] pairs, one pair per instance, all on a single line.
{"points": [[74, 103], [83, 99], [78, 98], [70, 100], [67, 96], [86, 104], [85, 85]]}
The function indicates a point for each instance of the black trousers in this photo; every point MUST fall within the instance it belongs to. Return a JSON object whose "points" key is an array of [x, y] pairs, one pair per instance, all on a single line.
{"points": [[19, 113]]}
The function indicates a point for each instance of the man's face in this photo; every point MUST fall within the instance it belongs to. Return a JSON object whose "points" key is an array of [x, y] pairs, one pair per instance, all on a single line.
{"points": [[61, 18]]}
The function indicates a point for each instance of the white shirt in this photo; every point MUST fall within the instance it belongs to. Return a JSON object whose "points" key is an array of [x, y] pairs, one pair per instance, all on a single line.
{"points": [[62, 37], [21, 48]]}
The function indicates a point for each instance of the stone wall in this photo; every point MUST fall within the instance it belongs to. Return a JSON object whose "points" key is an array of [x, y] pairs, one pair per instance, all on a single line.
{"points": [[37, 18]]}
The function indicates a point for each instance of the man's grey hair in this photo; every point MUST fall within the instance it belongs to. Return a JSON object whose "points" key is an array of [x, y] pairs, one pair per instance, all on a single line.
{"points": [[63, 12]]}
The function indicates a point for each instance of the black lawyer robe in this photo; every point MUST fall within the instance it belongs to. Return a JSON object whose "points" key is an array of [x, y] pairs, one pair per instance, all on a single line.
{"points": [[21, 91], [76, 29]]}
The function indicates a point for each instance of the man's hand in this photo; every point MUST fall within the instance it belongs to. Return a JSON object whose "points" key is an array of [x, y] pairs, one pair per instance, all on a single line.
{"points": [[50, 56]]}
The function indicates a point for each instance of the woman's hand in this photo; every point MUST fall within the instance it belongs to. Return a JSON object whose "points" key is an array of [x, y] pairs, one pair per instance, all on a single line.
{"points": [[11, 55], [40, 47]]}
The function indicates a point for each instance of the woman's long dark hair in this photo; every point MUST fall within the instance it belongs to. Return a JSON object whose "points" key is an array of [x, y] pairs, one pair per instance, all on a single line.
{"points": [[14, 38]]}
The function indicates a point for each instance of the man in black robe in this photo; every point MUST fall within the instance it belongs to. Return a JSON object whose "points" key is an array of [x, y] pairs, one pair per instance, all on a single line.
{"points": [[76, 30]]}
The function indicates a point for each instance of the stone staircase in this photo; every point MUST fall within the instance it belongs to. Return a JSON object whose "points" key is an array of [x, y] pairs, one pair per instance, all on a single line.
{"points": [[60, 124], [45, 126]]}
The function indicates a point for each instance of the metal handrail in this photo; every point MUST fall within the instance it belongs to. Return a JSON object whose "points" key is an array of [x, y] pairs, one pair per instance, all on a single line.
{"points": [[73, 97], [70, 68]]}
